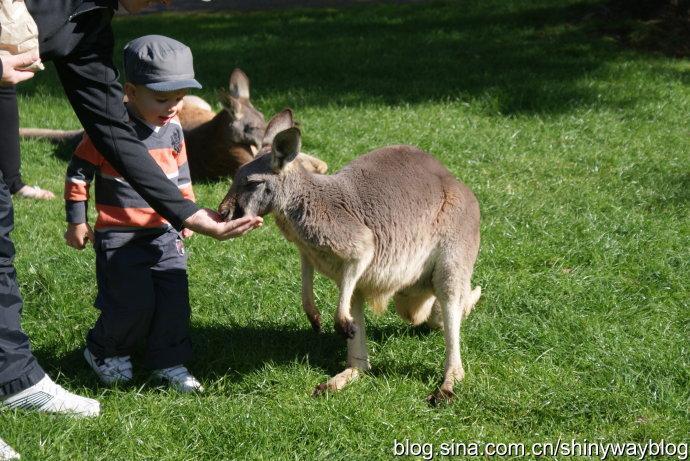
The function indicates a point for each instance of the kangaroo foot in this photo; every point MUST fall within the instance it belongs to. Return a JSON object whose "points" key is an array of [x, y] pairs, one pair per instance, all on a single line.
{"points": [[337, 382], [346, 329], [441, 397]]}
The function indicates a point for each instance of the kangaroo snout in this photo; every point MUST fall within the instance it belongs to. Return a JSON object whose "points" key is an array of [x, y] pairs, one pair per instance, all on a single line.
{"points": [[229, 210]]}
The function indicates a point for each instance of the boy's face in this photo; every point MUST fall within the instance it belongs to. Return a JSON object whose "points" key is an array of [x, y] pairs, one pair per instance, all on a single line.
{"points": [[135, 6], [155, 107]]}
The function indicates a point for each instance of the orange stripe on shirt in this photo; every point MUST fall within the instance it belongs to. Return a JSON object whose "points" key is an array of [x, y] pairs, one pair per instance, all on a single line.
{"points": [[110, 216], [182, 156], [88, 152], [76, 191], [188, 193], [165, 158]]}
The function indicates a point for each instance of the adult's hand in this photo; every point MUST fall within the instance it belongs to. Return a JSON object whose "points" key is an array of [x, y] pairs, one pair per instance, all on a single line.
{"points": [[13, 70], [210, 223]]}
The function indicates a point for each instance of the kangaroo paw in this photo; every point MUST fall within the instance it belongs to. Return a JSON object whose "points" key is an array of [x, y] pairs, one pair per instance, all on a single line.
{"points": [[346, 329], [441, 397], [316, 324]]}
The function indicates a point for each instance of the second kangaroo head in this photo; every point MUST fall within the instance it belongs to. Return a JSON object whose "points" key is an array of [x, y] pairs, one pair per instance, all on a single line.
{"points": [[259, 186], [246, 125]]}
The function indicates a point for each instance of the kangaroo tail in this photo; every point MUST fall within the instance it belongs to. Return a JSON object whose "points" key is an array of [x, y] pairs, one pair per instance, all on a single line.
{"points": [[55, 136]]}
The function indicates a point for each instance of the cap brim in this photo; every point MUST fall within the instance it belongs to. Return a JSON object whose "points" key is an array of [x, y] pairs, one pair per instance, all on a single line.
{"points": [[173, 86]]}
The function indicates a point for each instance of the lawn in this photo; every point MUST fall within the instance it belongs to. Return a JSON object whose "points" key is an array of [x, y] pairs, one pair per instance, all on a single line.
{"points": [[578, 153]]}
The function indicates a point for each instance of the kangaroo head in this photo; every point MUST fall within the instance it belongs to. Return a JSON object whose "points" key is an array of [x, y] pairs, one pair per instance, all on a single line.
{"points": [[246, 124], [258, 186]]}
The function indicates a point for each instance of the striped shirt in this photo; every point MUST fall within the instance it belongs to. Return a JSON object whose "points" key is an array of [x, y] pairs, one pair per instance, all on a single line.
{"points": [[120, 208]]}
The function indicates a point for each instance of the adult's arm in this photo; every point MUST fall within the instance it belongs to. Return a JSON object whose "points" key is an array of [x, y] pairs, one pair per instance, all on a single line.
{"points": [[82, 52], [210, 223]]}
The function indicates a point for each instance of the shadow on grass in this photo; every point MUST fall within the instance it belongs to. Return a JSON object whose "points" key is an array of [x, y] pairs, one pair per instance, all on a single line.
{"points": [[234, 352], [64, 150], [514, 58], [509, 57], [241, 350]]}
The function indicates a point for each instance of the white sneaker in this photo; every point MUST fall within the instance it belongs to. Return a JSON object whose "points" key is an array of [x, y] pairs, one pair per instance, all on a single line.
{"points": [[48, 396], [179, 378], [111, 370], [6, 452]]}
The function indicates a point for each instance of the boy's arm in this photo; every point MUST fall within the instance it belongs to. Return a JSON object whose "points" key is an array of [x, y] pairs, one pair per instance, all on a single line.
{"points": [[80, 173]]}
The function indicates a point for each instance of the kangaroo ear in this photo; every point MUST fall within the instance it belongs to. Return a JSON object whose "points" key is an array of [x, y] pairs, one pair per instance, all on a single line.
{"points": [[231, 104], [278, 123], [239, 84], [286, 146]]}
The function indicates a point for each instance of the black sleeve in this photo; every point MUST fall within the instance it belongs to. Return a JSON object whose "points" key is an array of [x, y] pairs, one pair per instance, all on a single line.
{"points": [[91, 83], [9, 137]]}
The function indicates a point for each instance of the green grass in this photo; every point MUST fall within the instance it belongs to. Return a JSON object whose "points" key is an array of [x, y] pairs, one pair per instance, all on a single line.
{"points": [[578, 153]]}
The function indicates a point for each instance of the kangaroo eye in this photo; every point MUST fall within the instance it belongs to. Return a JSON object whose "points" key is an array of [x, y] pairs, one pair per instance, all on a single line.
{"points": [[252, 183]]}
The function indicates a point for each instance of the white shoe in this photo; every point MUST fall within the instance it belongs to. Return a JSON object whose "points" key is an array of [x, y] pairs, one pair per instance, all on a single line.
{"points": [[111, 370], [50, 397], [179, 378], [6, 452]]}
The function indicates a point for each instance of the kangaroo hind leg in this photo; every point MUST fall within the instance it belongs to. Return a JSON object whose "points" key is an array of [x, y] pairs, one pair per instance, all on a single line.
{"points": [[452, 288]]}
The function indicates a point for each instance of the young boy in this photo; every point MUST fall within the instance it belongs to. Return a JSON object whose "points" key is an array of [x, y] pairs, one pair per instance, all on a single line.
{"points": [[140, 259]]}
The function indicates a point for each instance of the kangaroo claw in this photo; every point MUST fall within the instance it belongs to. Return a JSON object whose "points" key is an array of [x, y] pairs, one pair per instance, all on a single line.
{"points": [[440, 397], [316, 324], [321, 390]]}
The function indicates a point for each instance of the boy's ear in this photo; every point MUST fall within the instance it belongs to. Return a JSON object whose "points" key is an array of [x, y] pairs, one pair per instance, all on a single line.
{"points": [[130, 91]]}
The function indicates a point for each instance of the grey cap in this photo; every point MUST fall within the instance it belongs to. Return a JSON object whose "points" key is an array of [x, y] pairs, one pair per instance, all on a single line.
{"points": [[159, 63]]}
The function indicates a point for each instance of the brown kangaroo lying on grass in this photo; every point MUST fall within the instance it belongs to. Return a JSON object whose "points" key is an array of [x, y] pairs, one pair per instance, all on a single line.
{"points": [[217, 144], [393, 223]]}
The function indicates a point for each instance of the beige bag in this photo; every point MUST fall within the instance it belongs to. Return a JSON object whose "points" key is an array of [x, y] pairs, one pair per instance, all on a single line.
{"points": [[18, 31]]}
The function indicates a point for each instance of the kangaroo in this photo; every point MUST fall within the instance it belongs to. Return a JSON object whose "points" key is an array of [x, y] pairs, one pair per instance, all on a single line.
{"points": [[217, 144], [393, 223]]}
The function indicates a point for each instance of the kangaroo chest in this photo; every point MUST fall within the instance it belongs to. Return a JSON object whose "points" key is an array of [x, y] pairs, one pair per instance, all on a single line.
{"points": [[324, 260]]}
